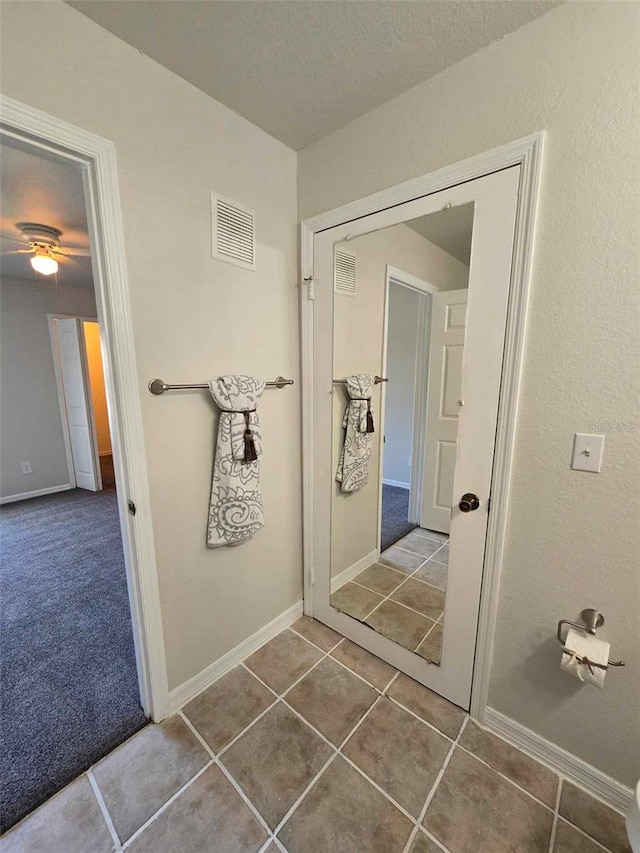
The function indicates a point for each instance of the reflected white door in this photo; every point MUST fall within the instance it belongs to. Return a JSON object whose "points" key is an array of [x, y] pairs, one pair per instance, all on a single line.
{"points": [[448, 318], [77, 403]]}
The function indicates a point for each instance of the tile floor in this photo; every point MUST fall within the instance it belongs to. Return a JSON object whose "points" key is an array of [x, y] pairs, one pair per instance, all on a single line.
{"points": [[313, 745], [402, 596]]}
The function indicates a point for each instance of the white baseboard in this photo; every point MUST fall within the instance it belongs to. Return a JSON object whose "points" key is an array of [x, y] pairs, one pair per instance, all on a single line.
{"points": [[397, 483], [597, 783], [350, 573], [23, 496], [179, 696]]}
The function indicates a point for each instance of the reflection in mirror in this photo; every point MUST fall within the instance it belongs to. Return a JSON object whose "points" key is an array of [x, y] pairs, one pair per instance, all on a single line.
{"points": [[399, 312]]}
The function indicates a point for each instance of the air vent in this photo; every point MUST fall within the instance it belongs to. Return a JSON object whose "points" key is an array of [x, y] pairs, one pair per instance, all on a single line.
{"points": [[234, 232], [344, 273]]}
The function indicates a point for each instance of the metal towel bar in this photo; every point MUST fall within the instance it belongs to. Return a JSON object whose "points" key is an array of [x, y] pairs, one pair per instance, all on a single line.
{"points": [[157, 386], [376, 379]]}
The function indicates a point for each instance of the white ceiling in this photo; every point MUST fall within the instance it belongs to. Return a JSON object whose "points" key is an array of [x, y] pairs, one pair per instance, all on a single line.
{"points": [[300, 69], [449, 229], [49, 192]]}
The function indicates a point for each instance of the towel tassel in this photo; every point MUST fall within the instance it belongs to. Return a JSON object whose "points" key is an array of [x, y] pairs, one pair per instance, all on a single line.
{"points": [[370, 427], [250, 454], [369, 418]]}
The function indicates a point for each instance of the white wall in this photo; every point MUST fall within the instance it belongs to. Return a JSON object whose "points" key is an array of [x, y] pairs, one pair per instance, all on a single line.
{"points": [[402, 344], [358, 329], [30, 420], [572, 540], [193, 317]]}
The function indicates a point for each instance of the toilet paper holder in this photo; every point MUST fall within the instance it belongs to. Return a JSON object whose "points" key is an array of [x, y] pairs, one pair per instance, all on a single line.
{"points": [[592, 620]]}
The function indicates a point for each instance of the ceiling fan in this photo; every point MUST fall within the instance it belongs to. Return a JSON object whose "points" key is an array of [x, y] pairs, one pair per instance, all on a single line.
{"points": [[44, 246]]}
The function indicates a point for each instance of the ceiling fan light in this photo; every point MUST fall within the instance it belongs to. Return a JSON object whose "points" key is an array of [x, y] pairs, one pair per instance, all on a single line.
{"points": [[44, 264]]}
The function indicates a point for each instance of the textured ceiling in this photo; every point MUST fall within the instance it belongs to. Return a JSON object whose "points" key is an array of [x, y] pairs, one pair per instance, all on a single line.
{"points": [[300, 69], [449, 229], [49, 192]]}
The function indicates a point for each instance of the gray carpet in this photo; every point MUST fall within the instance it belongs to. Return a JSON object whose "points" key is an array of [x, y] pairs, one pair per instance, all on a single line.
{"points": [[395, 512], [68, 670]]}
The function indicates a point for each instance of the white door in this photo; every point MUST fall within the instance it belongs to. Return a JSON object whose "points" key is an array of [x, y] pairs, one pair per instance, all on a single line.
{"points": [[77, 403], [495, 202], [448, 317]]}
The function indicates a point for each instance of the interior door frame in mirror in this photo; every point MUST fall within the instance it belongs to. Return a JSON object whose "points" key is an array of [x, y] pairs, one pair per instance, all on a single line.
{"points": [[394, 275], [528, 153]]}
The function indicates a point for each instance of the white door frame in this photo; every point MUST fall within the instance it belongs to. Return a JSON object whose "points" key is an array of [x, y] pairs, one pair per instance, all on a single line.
{"points": [[404, 279], [526, 152], [52, 136], [57, 369]]}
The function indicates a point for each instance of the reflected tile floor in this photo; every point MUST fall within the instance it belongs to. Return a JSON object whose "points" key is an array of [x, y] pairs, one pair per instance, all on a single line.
{"points": [[313, 745], [402, 595]]}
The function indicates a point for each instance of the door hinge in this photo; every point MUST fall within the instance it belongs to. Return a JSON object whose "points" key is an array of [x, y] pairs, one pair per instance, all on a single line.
{"points": [[131, 507], [312, 289], [312, 576]]}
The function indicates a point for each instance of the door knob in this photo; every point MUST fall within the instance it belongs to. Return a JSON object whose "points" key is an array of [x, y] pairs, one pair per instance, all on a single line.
{"points": [[469, 502]]}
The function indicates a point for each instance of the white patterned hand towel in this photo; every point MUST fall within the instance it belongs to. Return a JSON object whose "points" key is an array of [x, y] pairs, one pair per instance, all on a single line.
{"points": [[353, 466], [236, 510]]}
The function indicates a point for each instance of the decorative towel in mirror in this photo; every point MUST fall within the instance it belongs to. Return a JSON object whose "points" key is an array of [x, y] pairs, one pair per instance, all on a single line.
{"points": [[236, 511], [353, 465]]}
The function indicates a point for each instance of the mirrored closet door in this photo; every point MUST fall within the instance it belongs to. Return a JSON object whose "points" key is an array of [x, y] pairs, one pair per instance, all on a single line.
{"points": [[409, 326]]}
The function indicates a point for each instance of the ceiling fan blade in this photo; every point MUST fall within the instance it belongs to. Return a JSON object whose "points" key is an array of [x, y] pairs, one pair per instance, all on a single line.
{"points": [[63, 258], [13, 240], [71, 251], [17, 252]]}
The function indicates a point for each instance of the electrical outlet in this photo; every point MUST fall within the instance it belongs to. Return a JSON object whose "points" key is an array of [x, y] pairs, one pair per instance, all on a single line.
{"points": [[26, 468]]}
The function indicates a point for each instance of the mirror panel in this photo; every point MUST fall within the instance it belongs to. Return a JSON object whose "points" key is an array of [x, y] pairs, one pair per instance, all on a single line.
{"points": [[400, 297]]}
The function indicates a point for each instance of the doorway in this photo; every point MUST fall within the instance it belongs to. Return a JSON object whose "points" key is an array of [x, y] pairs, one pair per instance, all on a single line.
{"points": [[99, 407], [77, 358], [83, 660], [405, 365]]}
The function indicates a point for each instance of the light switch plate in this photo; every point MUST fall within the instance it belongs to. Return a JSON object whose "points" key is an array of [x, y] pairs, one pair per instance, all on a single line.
{"points": [[587, 452]]}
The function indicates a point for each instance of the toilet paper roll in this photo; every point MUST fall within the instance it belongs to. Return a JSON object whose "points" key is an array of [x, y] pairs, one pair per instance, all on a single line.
{"points": [[579, 646]]}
